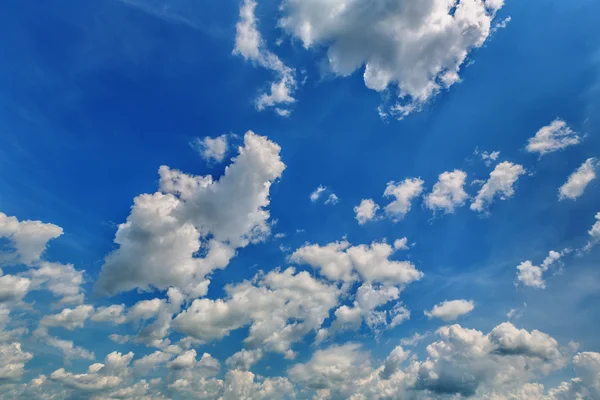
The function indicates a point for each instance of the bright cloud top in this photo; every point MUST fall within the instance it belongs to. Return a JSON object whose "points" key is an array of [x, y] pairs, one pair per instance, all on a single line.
{"points": [[500, 184], [417, 47], [451, 310]]}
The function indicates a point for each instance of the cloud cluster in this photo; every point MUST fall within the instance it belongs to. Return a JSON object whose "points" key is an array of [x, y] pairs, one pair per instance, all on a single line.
{"points": [[193, 225]]}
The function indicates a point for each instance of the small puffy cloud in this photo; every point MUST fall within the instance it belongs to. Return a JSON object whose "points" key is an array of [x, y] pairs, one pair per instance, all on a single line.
{"points": [[366, 211], [532, 275], [13, 359], [27, 238], [211, 149], [487, 157], [341, 261], [250, 45], [448, 193], [594, 233], [418, 48], [500, 183], [68, 318], [553, 137], [68, 348], [578, 180], [403, 194], [507, 339], [332, 199], [314, 196], [194, 225], [451, 310], [13, 288], [93, 380]]}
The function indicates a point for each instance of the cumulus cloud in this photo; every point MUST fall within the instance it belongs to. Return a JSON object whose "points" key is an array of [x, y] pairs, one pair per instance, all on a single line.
{"points": [[500, 184], [578, 180], [13, 288], [211, 149], [448, 193], [366, 211], [451, 310], [250, 45], [331, 199], [594, 233], [532, 275], [68, 318], [62, 280], [280, 308], [28, 239], [553, 137], [13, 362], [417, 47], [403, 194], [194, 225], [341, 261]]}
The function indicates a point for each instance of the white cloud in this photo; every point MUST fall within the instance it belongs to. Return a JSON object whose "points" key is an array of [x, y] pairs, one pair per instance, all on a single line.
{"points": [[93, 380], [532, 275], [147, 363], [68, 348], [120, 339], [281, 307], [448, 193], [451, 310], [487, 157], [332, 199], [114, 314], [314, 196], [250, 45], [578, 180], [403, 192], [62, 280], [366, 211], [13, 359], [500, 183], [211, 149], [28, 239], [68, 318], [160, 242], [339, 260], [553, 137], [244, 359], [418, 47], [13, 288]]}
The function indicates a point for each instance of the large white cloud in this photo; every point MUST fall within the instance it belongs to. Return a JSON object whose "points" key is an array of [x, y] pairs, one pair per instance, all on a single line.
{"points": [[417, 46], [578, 180], [159, 243], [68, 318], [28, 239], [448, 193], [553, 137], [500, 183]]}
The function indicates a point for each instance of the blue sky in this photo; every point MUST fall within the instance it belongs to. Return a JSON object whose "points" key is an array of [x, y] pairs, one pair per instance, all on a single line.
{"points": [[95, 96]]}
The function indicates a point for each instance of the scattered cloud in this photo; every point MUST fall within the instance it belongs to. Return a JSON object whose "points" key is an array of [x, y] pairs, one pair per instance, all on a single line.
{"points": [[366, 211], [579, 180], [211, 149], [500, 184], [403, 193], [451, 310], [448, 193], [553, 137]]}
